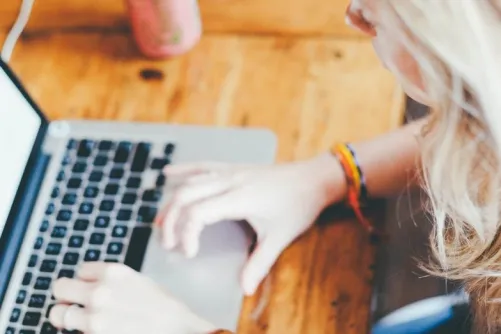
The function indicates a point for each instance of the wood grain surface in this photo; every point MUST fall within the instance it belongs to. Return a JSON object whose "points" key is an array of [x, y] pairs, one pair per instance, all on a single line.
{"points": [[310, 92], [78, 62], [298, 17]]}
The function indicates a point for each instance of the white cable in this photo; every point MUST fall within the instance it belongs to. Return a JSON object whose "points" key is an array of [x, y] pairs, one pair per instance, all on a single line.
{"points": [[17, 29]]}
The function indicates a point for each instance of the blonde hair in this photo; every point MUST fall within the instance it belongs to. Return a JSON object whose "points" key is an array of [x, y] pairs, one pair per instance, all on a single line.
{"points": [[457, 46]]}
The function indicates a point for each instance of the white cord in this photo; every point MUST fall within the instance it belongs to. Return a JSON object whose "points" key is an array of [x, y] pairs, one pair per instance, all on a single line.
{"points": [[17, 29]]}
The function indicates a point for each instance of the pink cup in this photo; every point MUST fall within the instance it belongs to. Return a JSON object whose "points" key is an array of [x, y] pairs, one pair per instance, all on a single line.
{"points": [[165, 28]]}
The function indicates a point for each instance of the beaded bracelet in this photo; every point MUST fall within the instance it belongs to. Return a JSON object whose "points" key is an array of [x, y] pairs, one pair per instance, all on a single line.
{"points": [[357, 188]]}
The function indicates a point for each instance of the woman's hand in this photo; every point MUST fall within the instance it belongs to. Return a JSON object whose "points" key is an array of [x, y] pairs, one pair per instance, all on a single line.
{"points": [[118, 300], [280, 202]]}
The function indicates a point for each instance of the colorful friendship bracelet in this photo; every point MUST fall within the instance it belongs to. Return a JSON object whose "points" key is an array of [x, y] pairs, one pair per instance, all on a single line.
{"points": [[357, 189], [363, 185]]}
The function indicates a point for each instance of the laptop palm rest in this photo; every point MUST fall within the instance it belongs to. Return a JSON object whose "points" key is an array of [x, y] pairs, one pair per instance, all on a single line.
{"points": [[208, 284]]}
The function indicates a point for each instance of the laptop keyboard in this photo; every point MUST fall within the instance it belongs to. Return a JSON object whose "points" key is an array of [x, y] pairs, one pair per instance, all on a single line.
{"points": [[99, 210]]}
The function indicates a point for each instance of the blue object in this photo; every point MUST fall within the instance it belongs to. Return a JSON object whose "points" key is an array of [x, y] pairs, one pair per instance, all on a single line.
{"points": [[422, 317]]}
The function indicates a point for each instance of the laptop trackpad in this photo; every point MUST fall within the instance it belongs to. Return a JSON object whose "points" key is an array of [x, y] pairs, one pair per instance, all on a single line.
{"points": [[209, 283]]}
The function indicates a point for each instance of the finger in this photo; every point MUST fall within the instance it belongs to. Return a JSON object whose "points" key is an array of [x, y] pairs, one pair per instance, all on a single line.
{"points": [[227, 206], [192, 181], [100, 271], [73, 291], [69, 317], [260, 263], [92, 271], [192, 169], [202, 178], [185, 197]]}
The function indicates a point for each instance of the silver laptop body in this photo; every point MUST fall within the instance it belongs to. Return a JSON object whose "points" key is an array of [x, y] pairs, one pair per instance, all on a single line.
{"points": [[91, 188]]}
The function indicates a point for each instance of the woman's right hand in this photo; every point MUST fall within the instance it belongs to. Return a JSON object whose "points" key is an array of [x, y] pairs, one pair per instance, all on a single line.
{"points": [[280, 202]]}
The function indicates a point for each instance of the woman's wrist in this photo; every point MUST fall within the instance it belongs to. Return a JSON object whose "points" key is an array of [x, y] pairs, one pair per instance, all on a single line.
{"points": [[328, 173]]}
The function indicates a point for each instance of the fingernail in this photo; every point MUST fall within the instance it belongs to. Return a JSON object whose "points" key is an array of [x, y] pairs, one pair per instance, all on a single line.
{"points": [[190, 251], [249, 289], [169, 243]]}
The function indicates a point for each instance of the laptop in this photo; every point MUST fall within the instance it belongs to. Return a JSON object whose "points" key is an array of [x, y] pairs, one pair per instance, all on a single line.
{"points": [[75, 190]]}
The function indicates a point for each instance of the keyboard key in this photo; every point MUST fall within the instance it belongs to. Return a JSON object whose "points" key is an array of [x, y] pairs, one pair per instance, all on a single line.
{"points": [[69, 199], [140, 157], [119, 231], [92, 255], [71, 258], [134, 182], [86, 208], [59, 232], [47, 328], [146, 214], [107, 205], [10, 330], [72, 144], [68, 273], [122, 152], [21, 297], [169, 149], [33, 261], [158, 163], [124, 215], [160, 182], [115, 248], [111, 189], [91, 192], [27, 279], [97, 238], [81, 225], [76, 242], [49, 308], [96, 176], [102, 222], [137, 247], [79, 167], [74, 183], [64, 216], [66, 160], [55, 192], [50, 209], [111, 260], [38, 243], [15, 315], [48, 266], [27, 331], [42, 283], [117, 173], [85, 148], [105, 145], [44, 226], [53, 248], [129, 198], [101, 160], [32, 319], [37, 301], [152, 196], [60, 176]]}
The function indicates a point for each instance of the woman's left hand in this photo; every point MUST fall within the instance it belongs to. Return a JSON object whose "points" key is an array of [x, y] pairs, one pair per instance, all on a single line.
{"points": [[114, 299]]}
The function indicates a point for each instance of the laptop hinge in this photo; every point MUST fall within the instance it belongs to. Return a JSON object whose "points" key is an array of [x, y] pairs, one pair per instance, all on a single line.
{"points": [[9, 249]]}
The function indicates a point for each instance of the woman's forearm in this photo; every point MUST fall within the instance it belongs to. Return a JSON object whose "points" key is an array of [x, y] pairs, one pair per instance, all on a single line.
{"points": [[389, 162]]}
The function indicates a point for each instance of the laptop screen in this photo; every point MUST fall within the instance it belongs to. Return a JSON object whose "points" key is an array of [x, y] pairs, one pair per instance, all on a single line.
{"points": [[19, 126]]}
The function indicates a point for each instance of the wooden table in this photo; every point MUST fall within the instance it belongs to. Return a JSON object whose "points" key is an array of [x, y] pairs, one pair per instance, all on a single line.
{"points": [[301, 74]]}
